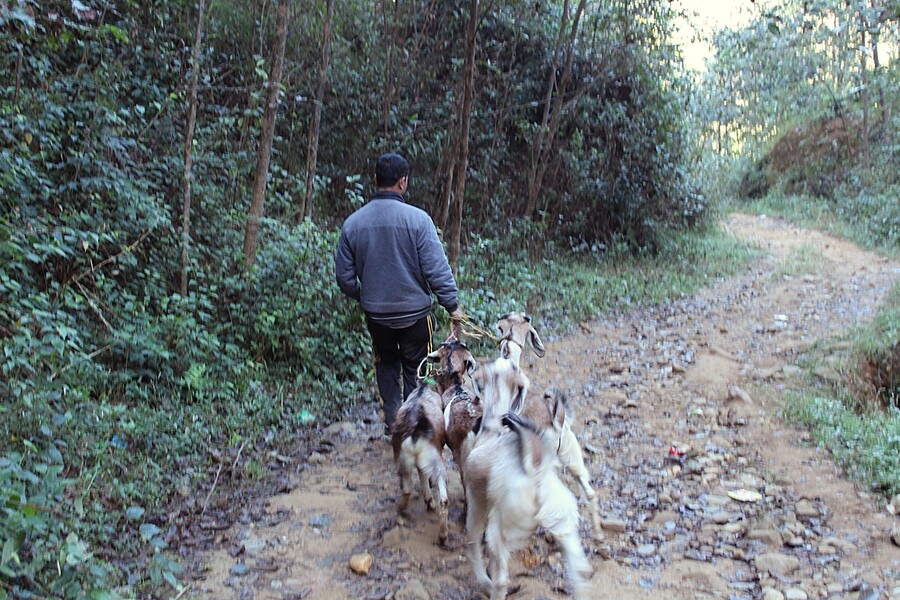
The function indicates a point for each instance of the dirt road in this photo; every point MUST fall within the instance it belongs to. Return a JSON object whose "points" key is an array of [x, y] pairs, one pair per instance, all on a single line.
{"points": [[640, 383]]}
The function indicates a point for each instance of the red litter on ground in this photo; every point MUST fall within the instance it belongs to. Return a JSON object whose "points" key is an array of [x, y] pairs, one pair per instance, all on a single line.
{"points": [[673, 451]]}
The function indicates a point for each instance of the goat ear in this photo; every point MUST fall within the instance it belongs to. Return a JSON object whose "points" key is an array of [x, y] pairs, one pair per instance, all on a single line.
{"points": [[556, 406], [536, 343], [471, 365], [434, 356], [518, 401]]}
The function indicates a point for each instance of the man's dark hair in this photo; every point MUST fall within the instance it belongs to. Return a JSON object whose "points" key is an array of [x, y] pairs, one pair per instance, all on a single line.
{"points": [[390, 169]]}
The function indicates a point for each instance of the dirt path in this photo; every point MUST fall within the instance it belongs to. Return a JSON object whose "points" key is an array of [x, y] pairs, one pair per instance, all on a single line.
{"points": [[639, 383]]}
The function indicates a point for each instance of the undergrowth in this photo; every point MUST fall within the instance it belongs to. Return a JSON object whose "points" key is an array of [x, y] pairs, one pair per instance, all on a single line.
{"points": [[858, 420], [872, 220], [92, 456], [866, 445], [561, 289]]}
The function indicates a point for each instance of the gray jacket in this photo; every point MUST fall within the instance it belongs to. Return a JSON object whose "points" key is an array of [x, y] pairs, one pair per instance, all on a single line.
{"points": [[390, 259]]}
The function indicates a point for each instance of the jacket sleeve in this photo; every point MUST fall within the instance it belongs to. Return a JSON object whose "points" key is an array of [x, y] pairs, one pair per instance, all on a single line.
{"points": [[345, 269], [435, 267]]}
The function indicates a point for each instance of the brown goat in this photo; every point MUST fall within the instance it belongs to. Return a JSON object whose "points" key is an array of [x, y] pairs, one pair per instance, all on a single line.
{"points": [[462, 406]]}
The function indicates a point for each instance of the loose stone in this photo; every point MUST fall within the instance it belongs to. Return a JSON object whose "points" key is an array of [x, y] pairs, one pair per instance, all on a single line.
{"points": [[805, 508], [769, 593], [361, 563], [616, 525], [777, 563]]}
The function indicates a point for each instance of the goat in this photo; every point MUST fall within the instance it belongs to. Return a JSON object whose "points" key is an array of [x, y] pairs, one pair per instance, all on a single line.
{"points": [[512, 488], [462, 406], [418, 437], [516, 329]]}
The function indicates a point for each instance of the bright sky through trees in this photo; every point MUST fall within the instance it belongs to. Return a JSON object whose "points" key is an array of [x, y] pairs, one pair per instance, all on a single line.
{"points": [[704, 17]]}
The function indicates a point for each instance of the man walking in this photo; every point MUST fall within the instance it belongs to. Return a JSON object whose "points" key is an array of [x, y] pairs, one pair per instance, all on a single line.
{"points": [[390, 260]]}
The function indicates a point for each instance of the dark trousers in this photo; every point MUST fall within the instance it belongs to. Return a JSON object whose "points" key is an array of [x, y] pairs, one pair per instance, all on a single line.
{"points": [[398, 353]]}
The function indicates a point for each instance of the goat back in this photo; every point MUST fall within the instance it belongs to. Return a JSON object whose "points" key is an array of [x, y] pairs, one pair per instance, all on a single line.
{"points": [[419, 417], [530, 446], [502, 387], [550, 412], [462, 408]]}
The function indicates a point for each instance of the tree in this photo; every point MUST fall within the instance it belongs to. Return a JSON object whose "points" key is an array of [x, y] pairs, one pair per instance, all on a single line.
{"points": [[313, 149], [462, 147], [188, 153], [543, 149], [251, 235]]}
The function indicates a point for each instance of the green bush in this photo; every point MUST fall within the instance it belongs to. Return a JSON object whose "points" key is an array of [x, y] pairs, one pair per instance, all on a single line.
{"points": [[43, 547], [859, 422], [867, 445]]}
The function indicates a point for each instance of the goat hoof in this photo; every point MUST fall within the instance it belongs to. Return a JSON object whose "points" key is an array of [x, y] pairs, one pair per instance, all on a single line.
{"points": [[403, 503]]}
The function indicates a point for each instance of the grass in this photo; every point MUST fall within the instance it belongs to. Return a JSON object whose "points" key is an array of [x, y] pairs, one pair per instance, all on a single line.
{"points": [[872, 221], [856, 417], [803, 260], [858, 420], [560, 289], [866, 445]]}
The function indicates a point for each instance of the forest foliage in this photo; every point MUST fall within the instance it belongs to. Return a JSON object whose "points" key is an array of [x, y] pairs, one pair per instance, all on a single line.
{"points": [[114, 380]]}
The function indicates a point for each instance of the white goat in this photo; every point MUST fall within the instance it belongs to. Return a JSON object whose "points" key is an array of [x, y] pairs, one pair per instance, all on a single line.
{"points": [[516, 329], [418, 438], [512, 487]]}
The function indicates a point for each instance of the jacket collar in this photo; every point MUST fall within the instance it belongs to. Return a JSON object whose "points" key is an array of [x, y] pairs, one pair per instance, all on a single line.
{"points": [[382, 195]]}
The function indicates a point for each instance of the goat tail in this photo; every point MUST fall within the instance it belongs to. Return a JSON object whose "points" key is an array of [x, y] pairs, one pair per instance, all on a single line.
{"points": [[530, 447], [413, 423]]}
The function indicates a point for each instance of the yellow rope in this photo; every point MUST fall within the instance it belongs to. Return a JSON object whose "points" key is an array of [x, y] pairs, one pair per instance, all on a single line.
{"points": [[469, 328]]}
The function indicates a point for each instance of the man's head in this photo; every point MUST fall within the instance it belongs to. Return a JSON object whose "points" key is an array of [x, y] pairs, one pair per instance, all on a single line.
{"points": [[390, 170]]}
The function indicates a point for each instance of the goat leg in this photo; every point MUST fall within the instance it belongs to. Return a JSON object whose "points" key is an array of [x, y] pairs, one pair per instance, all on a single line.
{"points": [[443, 518], [571, 457], [576, 564], [425, 486], [476, 519], [500, 572], [443, 507], [405, 485]]}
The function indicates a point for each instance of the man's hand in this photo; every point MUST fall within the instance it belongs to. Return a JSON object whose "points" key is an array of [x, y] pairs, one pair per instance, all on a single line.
{"points": [[456, 318]]}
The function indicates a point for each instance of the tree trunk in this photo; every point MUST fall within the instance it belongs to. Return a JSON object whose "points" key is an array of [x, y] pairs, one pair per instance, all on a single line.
{"points": [[446, 169], [462, 161], [501, 120], [545, 116], [251, 235], [389, 71], [188, 154], [547, 142], [864, 81], [876, 66], [312, 154]]}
